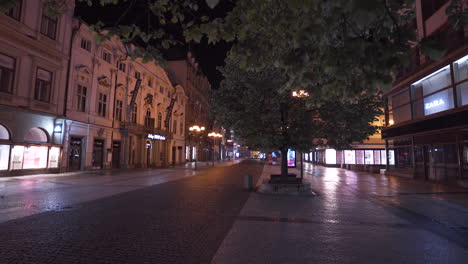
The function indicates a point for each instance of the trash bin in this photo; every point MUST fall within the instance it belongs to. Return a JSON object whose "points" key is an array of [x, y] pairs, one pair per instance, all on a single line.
{"points": [[248, 182]]}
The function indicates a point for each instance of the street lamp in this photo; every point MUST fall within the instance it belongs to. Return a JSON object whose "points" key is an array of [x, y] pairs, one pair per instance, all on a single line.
{"points": [[196, 130], [214, 136]]}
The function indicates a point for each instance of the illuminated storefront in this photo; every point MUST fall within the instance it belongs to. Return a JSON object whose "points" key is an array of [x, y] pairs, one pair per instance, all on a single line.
{"points": [[354, 157], [34, 153]]}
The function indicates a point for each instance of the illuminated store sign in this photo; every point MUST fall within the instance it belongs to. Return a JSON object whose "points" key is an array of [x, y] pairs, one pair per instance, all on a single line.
{"points": [[156, 137], [434, 104]]}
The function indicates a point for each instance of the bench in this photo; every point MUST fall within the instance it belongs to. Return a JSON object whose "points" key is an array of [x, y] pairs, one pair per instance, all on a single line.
{"points": [[277, 181]]}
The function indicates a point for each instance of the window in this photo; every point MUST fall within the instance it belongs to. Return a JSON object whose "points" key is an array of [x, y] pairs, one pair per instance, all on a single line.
{"points": [[122, 67], [7, 72], [150, 82], [48, 26], [460, 71], [137, 75], [181, 128], [102, 104], [161, 89], [159, 120], [107, 56], [168, 94], [174, 127], [118, 110], [86, 44], [15, 12], [134, 113], [43, 85], [149, 122], [81, 98]]}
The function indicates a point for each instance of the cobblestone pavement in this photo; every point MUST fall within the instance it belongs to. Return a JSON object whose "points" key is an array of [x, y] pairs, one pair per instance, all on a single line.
{"points": [[181, 221], [27, 195], [356, 218]]}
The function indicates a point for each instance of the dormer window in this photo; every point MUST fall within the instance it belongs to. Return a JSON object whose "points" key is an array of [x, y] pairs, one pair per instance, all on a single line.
{"points": [[86, 44], [107, 56]]}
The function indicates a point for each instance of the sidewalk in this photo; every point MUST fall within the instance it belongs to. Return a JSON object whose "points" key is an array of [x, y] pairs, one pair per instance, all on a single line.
{"points": [[356, 218]]}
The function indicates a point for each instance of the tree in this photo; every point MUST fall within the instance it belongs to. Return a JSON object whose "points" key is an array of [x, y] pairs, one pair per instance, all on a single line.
{"points": [[251, 103]]}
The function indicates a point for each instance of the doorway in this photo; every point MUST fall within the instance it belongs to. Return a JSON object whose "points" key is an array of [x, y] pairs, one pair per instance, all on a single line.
{"points": [[174, 152], [98, 154], [148, 153], [116, 154], [74, 154]]}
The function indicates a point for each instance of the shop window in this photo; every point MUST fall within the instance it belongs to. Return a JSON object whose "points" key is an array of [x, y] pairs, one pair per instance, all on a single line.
{"points": [[460, 72], [48, 26], [438, 102], [43, 85], [377, 159], [102, 104], [7, 73], [369, 157], [36, 134], [15, 12], [4, 156], [401, 114], [432, 83], [81, 98], [359, 156], [383, 157], [330, 156], [17, 158], [339, 157], [54, 156], [35, 157], [4, 134]]}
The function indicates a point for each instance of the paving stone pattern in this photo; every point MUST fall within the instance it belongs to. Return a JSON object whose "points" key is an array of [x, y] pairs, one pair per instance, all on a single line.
{"points": [[182, 221]]}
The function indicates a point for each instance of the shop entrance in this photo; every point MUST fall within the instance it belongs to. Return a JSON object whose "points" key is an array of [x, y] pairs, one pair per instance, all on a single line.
{"points": [[116, 154], [98, 153], [440, 162], [74, 154]]}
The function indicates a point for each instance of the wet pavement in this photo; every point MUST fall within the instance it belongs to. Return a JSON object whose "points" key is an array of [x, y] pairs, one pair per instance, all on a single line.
{"points": [[179, 216], [356, 218]]}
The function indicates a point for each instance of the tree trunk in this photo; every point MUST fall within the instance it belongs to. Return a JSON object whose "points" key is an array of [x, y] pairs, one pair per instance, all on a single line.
{"points": [[284, 162]]}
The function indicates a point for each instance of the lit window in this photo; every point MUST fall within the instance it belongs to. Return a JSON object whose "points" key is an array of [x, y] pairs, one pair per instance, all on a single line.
{"points": [[43, 85]]}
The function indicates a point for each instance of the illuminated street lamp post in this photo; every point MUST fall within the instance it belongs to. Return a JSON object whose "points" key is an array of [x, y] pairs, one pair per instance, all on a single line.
{"points": [[214, 136], [195, 130], [301, 94]]}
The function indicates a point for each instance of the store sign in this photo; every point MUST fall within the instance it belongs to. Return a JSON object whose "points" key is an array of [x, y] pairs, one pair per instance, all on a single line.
{"points": [[156, 137], [434, 104]]}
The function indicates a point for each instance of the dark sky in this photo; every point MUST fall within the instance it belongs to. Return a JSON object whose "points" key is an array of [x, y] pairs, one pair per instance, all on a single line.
{"points": [[135, 12]]}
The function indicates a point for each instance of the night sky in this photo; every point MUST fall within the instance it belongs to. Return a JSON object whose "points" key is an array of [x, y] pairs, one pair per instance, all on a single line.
{"points": [[208, 56]]}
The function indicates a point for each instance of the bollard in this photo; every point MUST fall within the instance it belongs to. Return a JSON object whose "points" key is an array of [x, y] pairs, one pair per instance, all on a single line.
{"points": [[248, 182]]}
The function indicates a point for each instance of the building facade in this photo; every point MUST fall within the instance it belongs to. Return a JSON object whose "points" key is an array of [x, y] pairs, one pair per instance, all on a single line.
{"points": [[186, 72], [427, 107], [34, 57], [121, 113]]}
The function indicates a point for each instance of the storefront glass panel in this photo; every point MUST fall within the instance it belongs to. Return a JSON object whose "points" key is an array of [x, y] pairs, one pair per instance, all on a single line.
{"points": [[369, 157], [377, 157], [462, 92], [391, 157], [35, 157], [438, 102], [433, 82], [383, 155], [359, 156], [17, 158], [4, 156], [54, 155], [350, 157]]}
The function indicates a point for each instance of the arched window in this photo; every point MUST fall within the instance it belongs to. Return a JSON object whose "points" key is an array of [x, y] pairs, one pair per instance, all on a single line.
{"points": [[4, 134], [36, 134]]}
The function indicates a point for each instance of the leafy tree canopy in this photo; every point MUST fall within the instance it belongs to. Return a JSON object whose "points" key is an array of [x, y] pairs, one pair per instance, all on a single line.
{"points": [[250, 103]]}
